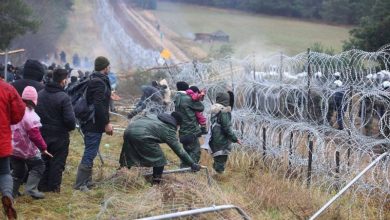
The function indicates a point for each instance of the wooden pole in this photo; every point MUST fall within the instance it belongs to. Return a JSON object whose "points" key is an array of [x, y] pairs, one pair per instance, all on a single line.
{"points": [[310, 153], [264, 142]]}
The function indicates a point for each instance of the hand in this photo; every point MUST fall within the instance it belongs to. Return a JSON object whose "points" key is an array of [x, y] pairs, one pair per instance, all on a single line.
{"points": [[239, 142], [47, 154], [108, 129], [195, 167]]}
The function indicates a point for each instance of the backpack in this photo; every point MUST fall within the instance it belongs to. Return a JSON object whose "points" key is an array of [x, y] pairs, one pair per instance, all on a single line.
{"points": [[78, 96]]}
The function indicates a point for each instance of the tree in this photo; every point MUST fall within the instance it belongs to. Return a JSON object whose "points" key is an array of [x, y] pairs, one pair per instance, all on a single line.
{"points": [[374, 29], [15, 20]]}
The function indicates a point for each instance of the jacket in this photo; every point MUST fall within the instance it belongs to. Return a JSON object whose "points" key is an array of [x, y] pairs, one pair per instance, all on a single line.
{"points": [[26, 138], [11, 112], [56, 111], [99, 95], [23, 83], [185, 105], [142, 138], [221, 130]]}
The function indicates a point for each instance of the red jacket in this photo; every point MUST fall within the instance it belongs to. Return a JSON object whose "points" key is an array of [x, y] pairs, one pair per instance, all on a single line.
{"points": [[11, 112]]}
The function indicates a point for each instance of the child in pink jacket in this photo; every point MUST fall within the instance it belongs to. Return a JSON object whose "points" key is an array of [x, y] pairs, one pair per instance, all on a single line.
{"points": [[197, 96], [28, 144]]}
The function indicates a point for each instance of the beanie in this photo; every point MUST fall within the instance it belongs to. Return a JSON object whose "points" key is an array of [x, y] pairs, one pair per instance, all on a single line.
{"points": [[30, 93], [101, 63], [34, 70], [182, 86], [195, 89], [178, 117], [59, 75]]}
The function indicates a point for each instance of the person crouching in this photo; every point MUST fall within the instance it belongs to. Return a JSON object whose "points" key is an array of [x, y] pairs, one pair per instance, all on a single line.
{"points": [[141, 143]]}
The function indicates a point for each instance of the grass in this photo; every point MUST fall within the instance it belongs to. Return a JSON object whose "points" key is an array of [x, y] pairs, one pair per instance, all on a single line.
{"points": [[247, 183], [249, 33]]}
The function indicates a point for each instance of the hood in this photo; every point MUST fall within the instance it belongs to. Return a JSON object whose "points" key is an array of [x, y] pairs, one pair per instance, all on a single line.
{"points": [[167, 119], [223, 99], [178, 96], [216, 108], [53, 87]]}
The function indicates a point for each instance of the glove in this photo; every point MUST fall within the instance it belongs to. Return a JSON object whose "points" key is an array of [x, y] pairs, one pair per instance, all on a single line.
{"points": [[195, 167], [203, 129]]}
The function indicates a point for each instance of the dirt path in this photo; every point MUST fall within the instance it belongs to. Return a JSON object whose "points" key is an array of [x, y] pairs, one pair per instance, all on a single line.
{"points": [[148, 34]]}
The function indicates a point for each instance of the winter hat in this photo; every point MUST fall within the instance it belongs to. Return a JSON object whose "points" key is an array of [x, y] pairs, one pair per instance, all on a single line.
{"points": [[386, 84], [223, 98], [338, 83], [30, 93], [195, 89], [59, 75], [34, 70], [74, 73], [178, 117], [182, 86], [101, 63]]}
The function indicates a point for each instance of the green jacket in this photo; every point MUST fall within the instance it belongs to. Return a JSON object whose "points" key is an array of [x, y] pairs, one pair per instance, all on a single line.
{"points": [[221, 130], [187, 107], [142, 138]]}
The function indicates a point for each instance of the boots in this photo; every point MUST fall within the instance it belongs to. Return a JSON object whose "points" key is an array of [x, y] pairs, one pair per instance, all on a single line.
{"points": [[31, 187], [8, 206], [83, 178], [15, 190]]}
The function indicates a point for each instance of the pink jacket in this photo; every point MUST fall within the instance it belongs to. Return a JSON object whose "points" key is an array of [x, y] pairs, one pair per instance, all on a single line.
{"points": [[199, 115], [26, 137]]}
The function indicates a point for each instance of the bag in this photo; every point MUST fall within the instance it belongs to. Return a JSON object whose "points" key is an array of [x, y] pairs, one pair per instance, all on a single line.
{"points": [[208, 136], [78, 96]]}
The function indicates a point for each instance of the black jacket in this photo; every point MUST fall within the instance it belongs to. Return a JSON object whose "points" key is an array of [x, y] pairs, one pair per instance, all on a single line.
{"points": [[98, 94], [55, 110], [20, 84]]}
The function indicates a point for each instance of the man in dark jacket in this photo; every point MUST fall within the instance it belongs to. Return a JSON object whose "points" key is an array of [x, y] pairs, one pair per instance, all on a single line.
{"points": [[141, 143], [190, 126], [98, 95], [58, 119], [33, 73]]}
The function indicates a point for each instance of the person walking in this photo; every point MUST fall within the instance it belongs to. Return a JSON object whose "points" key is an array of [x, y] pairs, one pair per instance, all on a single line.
{"points": [[28, 145], [33, 72], [58, 119], [98, 95], [12, 110]]}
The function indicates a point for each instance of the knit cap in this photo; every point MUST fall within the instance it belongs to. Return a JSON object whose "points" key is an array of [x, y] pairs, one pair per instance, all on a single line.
{"points": [[101, 63], [30, 93]]}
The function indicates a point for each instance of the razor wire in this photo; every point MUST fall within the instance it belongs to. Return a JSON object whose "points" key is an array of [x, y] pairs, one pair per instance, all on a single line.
{"points": [[286, 110]]}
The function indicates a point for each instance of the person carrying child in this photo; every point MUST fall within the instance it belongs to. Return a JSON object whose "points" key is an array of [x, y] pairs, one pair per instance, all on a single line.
{"points": [[198, 96], [27, 147]]}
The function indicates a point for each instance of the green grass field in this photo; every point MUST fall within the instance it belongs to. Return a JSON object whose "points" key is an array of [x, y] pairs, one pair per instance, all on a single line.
{"points": [[250, 33]]}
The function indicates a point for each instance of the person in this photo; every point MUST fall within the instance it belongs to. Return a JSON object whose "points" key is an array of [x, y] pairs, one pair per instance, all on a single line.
{"points": [[196, 96], [339, 105], [33, 72], [27, 141], [113, 82], [73, 80], [141, 143], [222, 134], [189, 127], [58, 119], [63, 56], [12, 110], [151, 96], [98, 95]]}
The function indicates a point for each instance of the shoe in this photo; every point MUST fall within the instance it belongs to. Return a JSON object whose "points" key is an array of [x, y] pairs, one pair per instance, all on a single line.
{"points": [[8, 206], [83, 178], [31, 188]]}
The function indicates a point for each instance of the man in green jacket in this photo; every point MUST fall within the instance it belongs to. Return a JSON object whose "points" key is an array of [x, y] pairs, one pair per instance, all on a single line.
{"points": [[221, 130], [141, 143], [190, 126]]}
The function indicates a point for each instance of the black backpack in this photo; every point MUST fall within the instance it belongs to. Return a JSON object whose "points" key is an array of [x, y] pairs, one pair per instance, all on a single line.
{"points": [[78, 96]]}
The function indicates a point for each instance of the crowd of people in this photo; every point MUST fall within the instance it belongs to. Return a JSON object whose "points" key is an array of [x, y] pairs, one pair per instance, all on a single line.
{"points": [[39, 110]]}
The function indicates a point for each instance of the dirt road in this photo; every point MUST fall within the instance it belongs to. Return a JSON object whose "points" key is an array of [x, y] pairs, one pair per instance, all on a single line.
{"points": [[146, 33]]}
